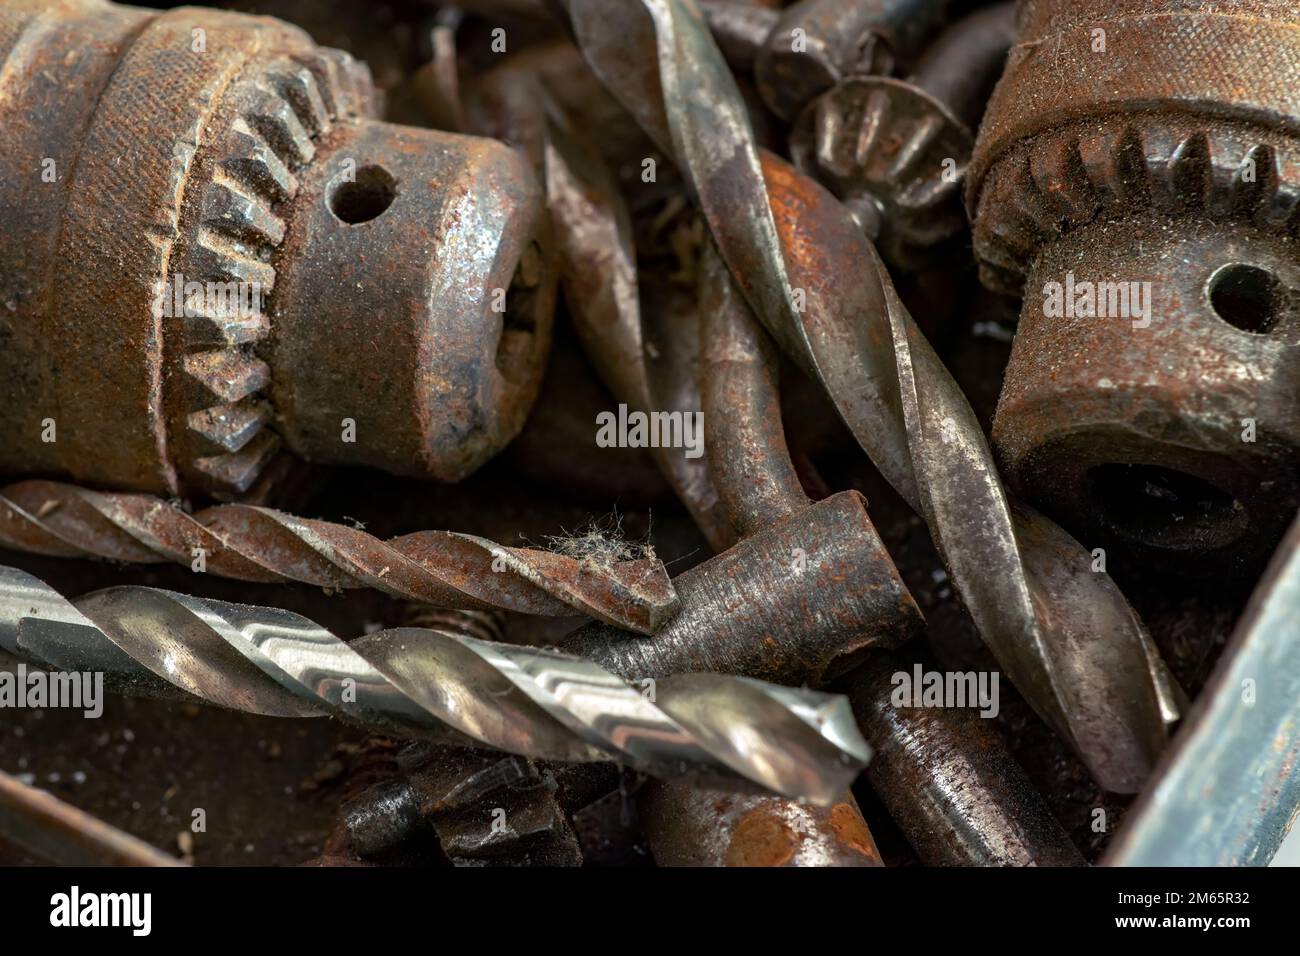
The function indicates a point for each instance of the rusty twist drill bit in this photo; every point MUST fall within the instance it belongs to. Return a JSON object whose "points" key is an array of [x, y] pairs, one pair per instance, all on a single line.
{"points": [[1066, 636], [249, 543], [718, 729]]}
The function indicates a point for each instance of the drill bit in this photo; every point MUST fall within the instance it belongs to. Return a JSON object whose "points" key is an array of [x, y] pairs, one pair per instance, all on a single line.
{"points": [[719, 730], [1065, 634], [248, 543]]}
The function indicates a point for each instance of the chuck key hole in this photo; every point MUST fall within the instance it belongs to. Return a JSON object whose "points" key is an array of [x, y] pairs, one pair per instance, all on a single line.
{"points": [[1247, 297], [365, 196]]}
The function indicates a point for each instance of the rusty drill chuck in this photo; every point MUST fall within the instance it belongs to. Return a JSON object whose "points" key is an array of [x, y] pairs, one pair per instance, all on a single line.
{"points": [[197, 264], [1136, 177]]}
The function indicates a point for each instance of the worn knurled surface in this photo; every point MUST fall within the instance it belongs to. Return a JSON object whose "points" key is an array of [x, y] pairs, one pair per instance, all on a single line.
{"points": [[1214, 84]]}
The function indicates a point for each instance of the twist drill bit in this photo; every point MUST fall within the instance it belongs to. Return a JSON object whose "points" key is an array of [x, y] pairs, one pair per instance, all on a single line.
{"points": [[716, 729], [248, 543], [1065, 635]]}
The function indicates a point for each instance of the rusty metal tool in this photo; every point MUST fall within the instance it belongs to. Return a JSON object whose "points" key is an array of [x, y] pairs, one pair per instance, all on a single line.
{"points": [[482, 808], [1058, 629], [949, 781], [1136, 179], [896, 151], [746, 481], [798, 645], [598, 273], [200, 212], [1228, 790], [690, 826], [809, 551], [62, 834], [694, 827], [810, 46], [248, 543], [797, 602], [718, 729]]}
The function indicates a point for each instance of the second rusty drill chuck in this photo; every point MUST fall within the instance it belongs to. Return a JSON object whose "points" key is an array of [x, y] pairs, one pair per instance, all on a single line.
{"points": [[213, 246], [1138, 176]]}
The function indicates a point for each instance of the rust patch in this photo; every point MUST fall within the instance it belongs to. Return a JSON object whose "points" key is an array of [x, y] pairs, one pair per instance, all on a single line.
{"points": [[761, 838], [852, 831]]}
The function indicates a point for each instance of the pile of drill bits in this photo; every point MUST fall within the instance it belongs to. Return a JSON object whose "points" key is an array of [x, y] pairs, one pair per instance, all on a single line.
{"points": [[688, 432]]}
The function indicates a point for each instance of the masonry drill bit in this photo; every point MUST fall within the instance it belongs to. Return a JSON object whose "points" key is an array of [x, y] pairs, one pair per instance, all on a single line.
{"points": [[716, 729], [1064, 633], [441, 568]]}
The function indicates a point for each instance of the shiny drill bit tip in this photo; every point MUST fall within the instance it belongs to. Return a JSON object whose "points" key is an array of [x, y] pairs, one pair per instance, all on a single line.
{"points": [[718, 730]]}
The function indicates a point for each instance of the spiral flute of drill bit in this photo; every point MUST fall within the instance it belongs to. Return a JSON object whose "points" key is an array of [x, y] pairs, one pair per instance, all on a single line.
{"points": [[718, 729], [248, 543], [1066, 636]]}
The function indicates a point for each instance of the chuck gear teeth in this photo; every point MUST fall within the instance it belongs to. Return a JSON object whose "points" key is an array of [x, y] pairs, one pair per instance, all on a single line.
{"points": [[297, 85], [1068, 178], [893, 142], [255, 164], [225, 375], [213, 327], [229, 427], [273, 117], [235, 472], [241, 215], [283, 108]]}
